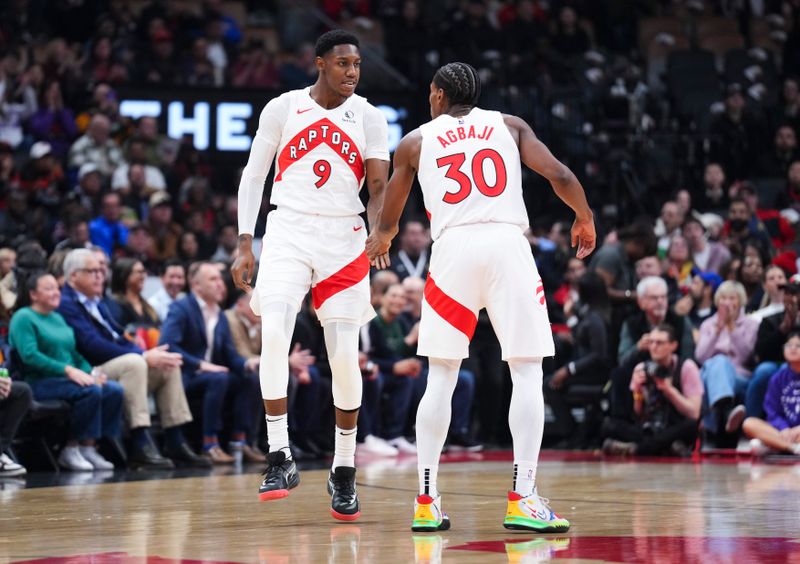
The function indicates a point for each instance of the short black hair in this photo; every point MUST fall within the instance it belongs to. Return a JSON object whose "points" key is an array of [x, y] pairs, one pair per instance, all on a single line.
{"points": [[331, 39], [672, 335], [460, 83], [169, 263]]}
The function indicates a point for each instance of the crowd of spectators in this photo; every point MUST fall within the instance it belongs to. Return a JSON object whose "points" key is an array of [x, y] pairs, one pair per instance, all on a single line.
{"points": [[679, 320]]}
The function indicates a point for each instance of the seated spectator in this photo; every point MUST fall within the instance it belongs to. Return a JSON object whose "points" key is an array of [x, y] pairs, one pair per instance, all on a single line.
{"points": [[790, 199], [412, 257], [741, 225], [97, 147], [589, 361], [54, 122], [649, 266], [567, 294], [165, 232], [392, 350], [15, 401], [101, 340], [772, 335], [55, 369], [678, 267], [133, 312], [667, 396], [106, 230], [751, 277], [615, 263], [708, 256], [196, 329], [42, 176], [781, 430], [378, 282], [188, 247], [173, 284], [304, 379], [668, 225], [698, 303], [228, 243], [712, 196], [725, 349], [77, 234], [152, 178], [634, 344], [778, 228], [772, 300], [86, 196], [775, 163]]}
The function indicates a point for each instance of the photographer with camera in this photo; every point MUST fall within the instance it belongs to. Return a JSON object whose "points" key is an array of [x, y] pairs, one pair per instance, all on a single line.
{"points": [[667, 397]]}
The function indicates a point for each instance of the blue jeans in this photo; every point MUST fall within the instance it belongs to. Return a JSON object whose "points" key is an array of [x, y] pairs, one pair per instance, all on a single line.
{"points": [[96, 410], [399, 391], [461, 402], [721, 381], [757, 390]]}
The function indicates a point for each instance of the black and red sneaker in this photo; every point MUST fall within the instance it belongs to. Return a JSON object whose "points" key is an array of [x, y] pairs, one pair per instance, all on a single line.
{"points": [[280, 476], [344, 498]]}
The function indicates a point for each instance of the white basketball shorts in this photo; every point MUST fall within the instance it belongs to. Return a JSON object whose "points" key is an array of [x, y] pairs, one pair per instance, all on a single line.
{"points": [[302, 251], [484, 265]]}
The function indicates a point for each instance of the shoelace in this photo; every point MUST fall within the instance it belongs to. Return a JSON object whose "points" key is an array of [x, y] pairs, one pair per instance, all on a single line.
{"points": [[343, 485], [271, 469]]}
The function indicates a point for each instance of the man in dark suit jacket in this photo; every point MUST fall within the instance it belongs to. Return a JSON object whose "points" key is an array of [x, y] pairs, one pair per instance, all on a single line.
{"points": [[103, 343], [197, 329]]}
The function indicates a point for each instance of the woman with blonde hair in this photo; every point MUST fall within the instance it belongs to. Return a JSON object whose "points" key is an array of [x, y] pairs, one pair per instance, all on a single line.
{"points": [[725, 347]]}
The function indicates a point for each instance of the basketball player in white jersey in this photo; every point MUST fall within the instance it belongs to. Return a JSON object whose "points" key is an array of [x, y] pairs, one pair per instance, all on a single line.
{"points": [[468, 163], [325, 139]]}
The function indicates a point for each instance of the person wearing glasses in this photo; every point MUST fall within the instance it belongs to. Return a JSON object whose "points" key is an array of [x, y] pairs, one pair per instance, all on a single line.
{"points": [[667, 395], [101, 340]]}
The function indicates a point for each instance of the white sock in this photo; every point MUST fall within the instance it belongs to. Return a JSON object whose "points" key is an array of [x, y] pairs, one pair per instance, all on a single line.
{"points": [[524, 477], [433, 420], [526, 421], [344, 453], [278, 434]]}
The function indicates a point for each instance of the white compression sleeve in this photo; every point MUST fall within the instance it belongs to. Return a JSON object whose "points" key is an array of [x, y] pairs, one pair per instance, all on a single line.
{"points": [[277, 326], [526, 420], [433, 420], [262, 152], [341, 340]]}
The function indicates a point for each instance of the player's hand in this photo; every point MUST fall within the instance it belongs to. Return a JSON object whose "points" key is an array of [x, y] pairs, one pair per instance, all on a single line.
{"points": [[244, 266], [584, 236], [377, 247]]}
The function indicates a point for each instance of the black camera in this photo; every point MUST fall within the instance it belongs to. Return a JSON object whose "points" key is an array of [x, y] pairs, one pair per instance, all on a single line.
{"points": [[655, 370]]}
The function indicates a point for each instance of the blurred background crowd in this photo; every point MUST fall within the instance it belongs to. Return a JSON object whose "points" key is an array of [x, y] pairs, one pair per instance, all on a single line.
{"points": [[680, 117]]}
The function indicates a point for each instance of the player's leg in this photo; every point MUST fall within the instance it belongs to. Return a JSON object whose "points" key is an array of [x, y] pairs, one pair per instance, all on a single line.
{"points": [[433, 420], [341, 341], [284, 279], [449, 315], [516, 308]]}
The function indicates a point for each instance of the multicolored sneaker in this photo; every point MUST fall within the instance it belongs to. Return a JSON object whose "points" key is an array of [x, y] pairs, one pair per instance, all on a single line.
{"points": [[536, 550], [279, 477], [532, 513], [428, 515]]}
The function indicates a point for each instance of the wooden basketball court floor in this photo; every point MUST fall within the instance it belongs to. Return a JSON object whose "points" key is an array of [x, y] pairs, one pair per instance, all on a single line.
{"points": [[621, 511]]}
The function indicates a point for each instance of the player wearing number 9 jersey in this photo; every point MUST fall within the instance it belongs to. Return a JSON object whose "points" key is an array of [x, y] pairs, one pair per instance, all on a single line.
{"points": [[468, 163], [325, 141]]}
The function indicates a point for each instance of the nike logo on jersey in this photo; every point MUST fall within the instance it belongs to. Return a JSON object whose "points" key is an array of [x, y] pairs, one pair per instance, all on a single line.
{"points": [[358, 228], [299, 111]]}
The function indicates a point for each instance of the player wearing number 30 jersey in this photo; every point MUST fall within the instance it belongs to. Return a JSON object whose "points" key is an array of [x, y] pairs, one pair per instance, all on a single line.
{"points": [[468, 163], [325, 141]]}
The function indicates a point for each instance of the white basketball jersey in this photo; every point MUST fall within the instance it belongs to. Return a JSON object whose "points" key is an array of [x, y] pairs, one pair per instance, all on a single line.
{"points": [[469, 171], [320, 161]]}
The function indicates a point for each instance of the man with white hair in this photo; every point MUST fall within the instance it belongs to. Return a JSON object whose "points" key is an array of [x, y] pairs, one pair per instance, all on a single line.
{"points": [[103, 343], [634, 343]]}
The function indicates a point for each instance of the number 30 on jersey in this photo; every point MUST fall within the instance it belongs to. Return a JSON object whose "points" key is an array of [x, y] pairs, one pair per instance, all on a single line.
{"points": [[454, 164]]}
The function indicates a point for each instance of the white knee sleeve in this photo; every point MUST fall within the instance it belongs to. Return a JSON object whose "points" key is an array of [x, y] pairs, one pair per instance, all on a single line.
{"points": [[341, 340], [277, 326], [526, 412]]}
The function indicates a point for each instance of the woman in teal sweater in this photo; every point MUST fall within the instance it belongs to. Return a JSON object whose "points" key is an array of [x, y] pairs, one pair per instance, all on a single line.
{"points": [[55, 370]]}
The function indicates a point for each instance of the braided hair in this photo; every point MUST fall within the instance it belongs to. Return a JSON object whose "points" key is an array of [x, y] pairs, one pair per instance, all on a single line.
{"points": [[460, 83]]}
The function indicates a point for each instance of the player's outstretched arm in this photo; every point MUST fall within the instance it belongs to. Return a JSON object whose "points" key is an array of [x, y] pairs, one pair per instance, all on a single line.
{"points": [[406, 161], [251, 190], [536, 156]]}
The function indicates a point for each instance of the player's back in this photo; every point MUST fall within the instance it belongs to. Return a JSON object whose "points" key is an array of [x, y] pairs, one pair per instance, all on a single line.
{"points": [[470, 172]]}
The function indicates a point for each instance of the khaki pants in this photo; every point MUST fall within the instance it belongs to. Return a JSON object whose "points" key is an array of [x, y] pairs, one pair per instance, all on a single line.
{"points": [[137, 379]]}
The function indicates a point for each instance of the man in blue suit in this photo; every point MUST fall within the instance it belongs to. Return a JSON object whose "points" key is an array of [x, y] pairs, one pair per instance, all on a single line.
{"points": [[197, 328], [103, 343]]}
